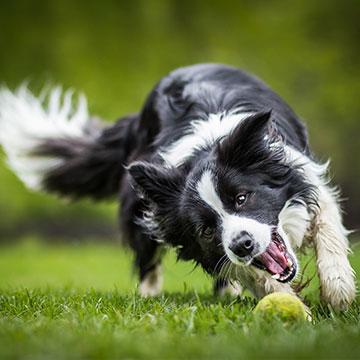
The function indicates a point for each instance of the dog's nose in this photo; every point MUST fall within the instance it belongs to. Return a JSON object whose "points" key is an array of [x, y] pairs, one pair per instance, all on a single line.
{"points": [[242, 245]]}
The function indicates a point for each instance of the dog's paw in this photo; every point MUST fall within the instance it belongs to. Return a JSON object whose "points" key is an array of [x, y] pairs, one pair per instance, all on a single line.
{"points": [[151, 284], [339, 293], [233, 289]]}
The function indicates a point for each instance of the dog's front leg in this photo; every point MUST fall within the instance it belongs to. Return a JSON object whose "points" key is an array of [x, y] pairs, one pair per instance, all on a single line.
{"points": [[329, 235], [224, 287], [332, 249]]}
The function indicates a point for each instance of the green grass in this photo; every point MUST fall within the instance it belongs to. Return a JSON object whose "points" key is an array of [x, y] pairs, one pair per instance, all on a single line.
{"points": [[79, 301], [99, 266]]}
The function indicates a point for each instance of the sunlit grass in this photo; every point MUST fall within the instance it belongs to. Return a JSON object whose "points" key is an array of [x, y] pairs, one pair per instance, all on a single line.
{"points": [[80, 301], [95, 265]]}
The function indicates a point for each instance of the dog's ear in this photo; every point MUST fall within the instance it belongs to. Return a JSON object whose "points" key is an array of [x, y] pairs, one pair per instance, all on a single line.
{"points": [[250, 138], [156, 183]]}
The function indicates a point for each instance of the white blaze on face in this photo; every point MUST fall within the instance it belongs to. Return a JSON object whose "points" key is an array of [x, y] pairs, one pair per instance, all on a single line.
{"points": [[232, 225]]}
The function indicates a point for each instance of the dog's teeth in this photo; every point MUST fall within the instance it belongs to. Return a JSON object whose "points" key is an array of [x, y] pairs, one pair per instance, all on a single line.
{"points": [[276, 276], [289, 263]]}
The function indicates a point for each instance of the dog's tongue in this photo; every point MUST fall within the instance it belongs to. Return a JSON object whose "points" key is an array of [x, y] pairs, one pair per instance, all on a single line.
{"points": [[274, 259]]}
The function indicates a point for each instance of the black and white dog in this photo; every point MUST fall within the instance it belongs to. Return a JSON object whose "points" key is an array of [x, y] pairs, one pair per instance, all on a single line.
{"points": [[215, 164]]}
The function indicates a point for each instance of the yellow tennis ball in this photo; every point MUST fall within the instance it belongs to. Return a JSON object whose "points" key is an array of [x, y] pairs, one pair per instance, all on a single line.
{"points": [[283, 306]]}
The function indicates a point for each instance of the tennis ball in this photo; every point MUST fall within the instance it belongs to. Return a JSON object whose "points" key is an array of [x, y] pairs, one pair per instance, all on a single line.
{"points": [[283, 306]]}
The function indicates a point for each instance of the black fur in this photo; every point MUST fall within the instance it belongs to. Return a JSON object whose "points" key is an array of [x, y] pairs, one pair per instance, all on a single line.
{"points": [[94, 165], [252, 155]]}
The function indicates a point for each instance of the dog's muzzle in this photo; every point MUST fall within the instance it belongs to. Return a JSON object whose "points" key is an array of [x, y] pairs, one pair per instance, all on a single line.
{"points": [[276, 259]]}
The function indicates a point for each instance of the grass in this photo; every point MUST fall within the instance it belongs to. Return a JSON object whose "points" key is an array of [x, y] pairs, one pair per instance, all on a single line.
{"points": [[69, 301]]}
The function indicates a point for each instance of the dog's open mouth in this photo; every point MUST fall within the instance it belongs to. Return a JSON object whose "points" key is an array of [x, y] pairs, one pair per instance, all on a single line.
{"points": [[276, 260]]}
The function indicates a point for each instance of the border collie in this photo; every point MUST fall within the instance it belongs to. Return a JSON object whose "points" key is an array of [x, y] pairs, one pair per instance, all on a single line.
{"points": [[215, 165]]}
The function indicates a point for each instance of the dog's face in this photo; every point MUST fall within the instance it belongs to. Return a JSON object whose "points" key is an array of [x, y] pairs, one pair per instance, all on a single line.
{"points": [[226, 208], [237, 215]]}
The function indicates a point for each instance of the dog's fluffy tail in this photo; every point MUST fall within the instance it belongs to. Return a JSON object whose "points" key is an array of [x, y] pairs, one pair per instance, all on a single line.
{"points": [[53, 145]]}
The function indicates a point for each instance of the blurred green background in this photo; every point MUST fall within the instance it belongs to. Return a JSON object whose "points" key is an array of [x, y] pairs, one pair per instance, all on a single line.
{"points": [[115, 51]]}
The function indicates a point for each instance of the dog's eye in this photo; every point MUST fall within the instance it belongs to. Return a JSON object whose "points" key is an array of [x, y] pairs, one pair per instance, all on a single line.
{"points": [[207, 233], [241, 198]]}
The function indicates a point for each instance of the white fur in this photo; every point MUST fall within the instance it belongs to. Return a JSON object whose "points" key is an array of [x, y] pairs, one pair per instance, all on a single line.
{"points": [[233, 288], [150, 225], [329, 236], [295, 222], [314, 173], [332, 249], [200, 134], [232, 224], [260, 283], [25, 121], [207, 193], [151, 284]]}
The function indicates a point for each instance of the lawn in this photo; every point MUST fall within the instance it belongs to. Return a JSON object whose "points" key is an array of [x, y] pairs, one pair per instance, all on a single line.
{"points": [[80, 301]]}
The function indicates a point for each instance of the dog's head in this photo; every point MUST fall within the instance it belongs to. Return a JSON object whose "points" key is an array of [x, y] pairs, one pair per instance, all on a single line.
{"points": [[228, 205]]}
